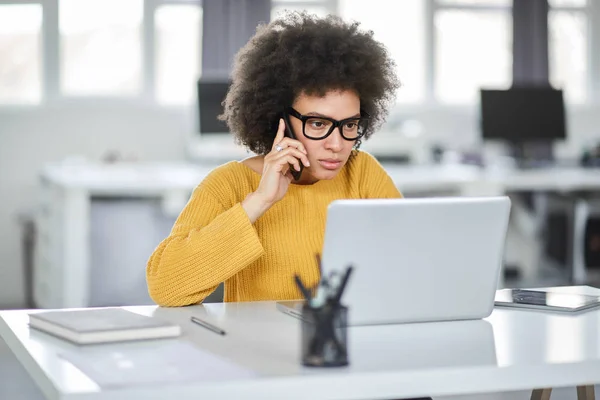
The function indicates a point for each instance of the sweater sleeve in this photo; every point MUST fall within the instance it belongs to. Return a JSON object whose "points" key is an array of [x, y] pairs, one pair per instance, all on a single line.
{"points": [[207, 245], [375, 183]]}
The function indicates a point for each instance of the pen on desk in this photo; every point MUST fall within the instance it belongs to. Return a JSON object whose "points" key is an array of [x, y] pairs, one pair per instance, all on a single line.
{"points": [[208, 326], [340, 291], [317, 290], [303, 288]]}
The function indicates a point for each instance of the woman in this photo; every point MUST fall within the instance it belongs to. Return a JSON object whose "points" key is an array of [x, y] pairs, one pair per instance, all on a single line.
{"points": [[251, 224]]}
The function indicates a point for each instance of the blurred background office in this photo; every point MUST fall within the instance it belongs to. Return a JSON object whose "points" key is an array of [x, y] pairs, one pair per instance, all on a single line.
{"points": [[107, 123]]}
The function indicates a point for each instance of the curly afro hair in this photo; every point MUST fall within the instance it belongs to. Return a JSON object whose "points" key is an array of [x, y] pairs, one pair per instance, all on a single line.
{"points": [[301, 53]]}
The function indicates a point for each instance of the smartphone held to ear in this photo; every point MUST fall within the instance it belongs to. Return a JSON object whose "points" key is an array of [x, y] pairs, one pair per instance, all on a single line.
{"points": [[289, 133]]}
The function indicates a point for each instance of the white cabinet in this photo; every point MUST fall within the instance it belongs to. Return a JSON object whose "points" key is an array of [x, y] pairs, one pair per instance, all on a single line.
{"points": [[98, 224], [123, 234]]}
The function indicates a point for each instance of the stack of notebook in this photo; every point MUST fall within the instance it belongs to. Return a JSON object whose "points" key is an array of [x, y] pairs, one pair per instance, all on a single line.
{"points": [[550, 299], [102, 325]]}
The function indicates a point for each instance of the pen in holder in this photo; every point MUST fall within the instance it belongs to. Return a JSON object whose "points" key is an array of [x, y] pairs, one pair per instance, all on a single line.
{"points": [[325, 322], [324, 336]]}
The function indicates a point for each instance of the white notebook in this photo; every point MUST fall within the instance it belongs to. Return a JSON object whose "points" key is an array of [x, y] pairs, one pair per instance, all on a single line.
{"points": [[102, 325], [545, 299]]}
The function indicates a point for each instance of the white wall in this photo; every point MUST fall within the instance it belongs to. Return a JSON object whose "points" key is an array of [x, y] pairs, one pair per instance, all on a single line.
{"points": [[31, 137]]}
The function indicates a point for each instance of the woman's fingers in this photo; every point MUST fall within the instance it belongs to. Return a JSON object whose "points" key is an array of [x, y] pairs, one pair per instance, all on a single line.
{"points": [[280, 134], [289, 142], [293, 152], [282, 161], [281, 141], [286, 160]]}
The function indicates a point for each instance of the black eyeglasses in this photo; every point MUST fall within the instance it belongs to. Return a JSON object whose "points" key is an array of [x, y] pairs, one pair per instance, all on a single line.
{"points": [[317, 128]]}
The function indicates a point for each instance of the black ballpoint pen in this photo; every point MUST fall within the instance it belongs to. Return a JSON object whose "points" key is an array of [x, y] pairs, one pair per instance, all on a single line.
{"points": [[208, 326], [342, 286], [303, 289]]}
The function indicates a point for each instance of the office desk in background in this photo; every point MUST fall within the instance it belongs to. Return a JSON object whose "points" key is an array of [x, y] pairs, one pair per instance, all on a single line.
{"points": [[509, 351], [62, 273]]}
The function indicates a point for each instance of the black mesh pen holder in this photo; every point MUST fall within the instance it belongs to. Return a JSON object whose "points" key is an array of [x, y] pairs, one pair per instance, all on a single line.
{"points": [[324, 336]]}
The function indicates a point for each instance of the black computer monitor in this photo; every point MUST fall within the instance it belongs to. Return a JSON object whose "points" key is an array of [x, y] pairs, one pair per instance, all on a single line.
{"points": [[523, 114], [210, 96]]}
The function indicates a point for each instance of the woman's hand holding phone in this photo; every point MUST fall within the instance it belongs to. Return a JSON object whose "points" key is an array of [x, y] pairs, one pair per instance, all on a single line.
{"points": [[286, 153]]}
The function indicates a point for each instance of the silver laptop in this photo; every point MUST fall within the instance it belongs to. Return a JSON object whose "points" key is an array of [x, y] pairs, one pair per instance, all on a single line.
{"points": [[416, 260]]}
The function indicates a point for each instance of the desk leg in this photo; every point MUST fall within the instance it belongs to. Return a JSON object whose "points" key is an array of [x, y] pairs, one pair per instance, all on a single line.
{"points": [[585, 392], [75, 268], [580, 216], [541, 394]]}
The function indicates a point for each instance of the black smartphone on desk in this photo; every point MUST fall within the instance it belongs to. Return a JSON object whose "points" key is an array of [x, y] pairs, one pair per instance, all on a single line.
{"points": [[289, 132]]}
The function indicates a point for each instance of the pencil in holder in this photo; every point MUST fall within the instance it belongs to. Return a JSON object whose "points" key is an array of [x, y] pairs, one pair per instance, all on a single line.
{"points": [[324, 336]]}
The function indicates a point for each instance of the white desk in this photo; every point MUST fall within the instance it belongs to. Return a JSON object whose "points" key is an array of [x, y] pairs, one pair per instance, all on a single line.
{"points": [[511, 350], [557, 179], [62, 262]]}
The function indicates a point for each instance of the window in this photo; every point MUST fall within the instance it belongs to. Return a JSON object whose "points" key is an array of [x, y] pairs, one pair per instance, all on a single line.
{"points": [[438, 56], [407, 46], [402, 32], [131, 49], [473, 48], [20, 53], [178, 30], [482, 3], [446, 50], [318, 7], [101, 47], [567, 3], [568, 42]]}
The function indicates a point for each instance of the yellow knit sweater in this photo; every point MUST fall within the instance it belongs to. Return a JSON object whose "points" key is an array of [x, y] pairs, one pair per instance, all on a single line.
{"points": [[213, 240]]}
